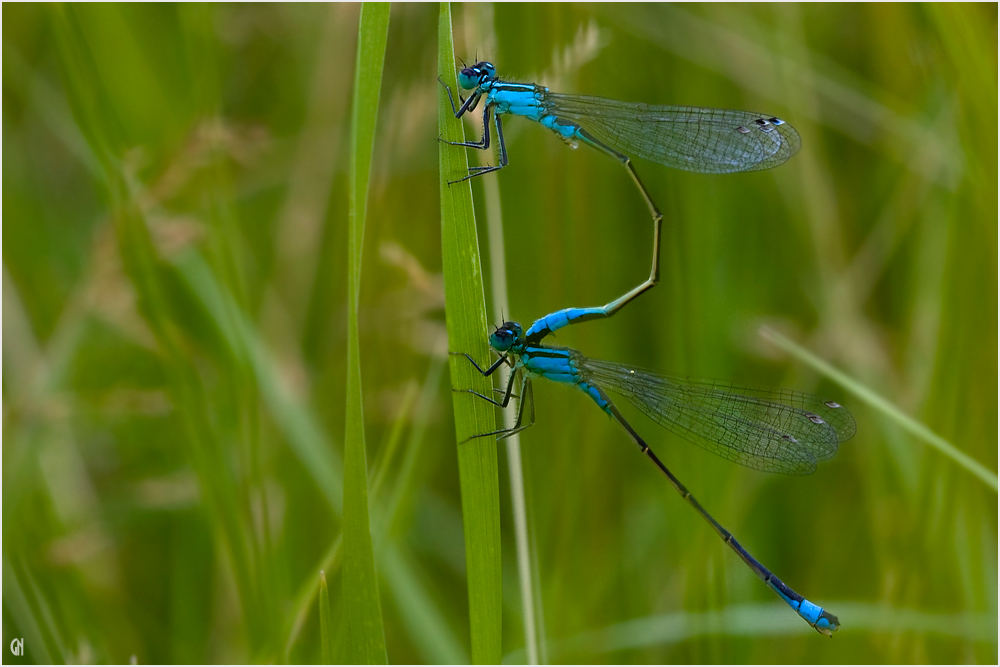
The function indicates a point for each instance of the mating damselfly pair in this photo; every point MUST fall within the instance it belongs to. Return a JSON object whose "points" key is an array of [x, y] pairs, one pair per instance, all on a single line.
{"points": [[775, 430]]}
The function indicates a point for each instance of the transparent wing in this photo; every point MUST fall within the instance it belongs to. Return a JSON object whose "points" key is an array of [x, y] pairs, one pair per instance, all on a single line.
{"points": [[691, 138], [775, 430]]}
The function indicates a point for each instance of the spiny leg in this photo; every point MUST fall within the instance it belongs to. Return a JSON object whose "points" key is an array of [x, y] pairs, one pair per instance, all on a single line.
{"points": [[489, 371], [479, 171], [527, 396], [467, 105], [484, 142], [486, 373]]}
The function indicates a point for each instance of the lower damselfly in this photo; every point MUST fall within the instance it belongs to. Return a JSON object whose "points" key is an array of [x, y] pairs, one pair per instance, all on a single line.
{"points": [[773, 430]]}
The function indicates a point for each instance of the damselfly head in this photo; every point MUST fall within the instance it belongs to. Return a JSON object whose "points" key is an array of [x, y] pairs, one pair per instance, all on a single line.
{"points": [[505, 336], [471, 77]]}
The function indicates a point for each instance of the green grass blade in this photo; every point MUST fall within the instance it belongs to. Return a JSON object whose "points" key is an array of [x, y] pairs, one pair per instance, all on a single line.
{"points": [[384, 518], [365, 634], [466, 320], [419, 608], [876, 401], [302, 602], [325, 621], [300, 427], [482, 17]]}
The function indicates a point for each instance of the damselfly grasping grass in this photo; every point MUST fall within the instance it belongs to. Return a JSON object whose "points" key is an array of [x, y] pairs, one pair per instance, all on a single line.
{"points": [[696, 139], [775, 430]]}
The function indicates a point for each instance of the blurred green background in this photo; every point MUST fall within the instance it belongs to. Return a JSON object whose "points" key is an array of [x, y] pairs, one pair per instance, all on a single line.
{"points": [[174, 332]]}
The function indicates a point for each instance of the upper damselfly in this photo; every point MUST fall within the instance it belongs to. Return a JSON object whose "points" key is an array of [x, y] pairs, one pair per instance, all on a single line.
{"points": [[691, 138]]}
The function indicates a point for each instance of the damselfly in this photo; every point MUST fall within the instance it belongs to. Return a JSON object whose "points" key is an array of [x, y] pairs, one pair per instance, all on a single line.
{"points": [[691, 138], [775, 430]]}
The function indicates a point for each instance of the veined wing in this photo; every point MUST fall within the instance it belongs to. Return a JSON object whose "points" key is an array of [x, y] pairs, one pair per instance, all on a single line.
{"points": [[691, 138], [775, 430]]}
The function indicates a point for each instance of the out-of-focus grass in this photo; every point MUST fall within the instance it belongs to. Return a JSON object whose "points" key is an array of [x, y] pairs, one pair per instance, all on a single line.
{"points": [[325, 621], [175, 308], [364, 630]]}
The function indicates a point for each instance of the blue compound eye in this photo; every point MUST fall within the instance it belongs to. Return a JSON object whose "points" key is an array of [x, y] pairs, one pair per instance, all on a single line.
{"points": [[468, 78], [472, 77], [501, 340], [505, 336]]}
